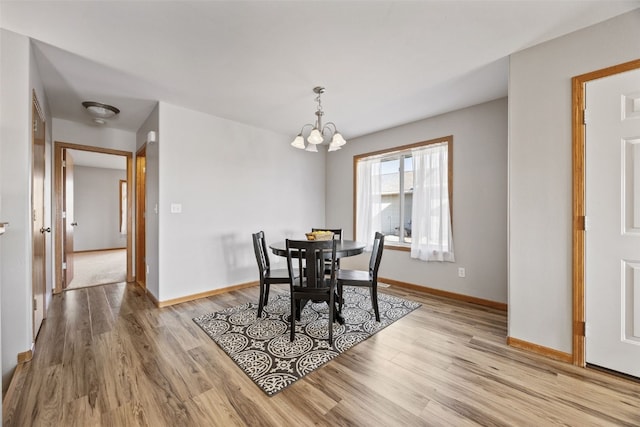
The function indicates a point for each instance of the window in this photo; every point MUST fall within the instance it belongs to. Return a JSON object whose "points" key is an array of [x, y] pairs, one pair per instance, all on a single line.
{"points": [[406, 193]]}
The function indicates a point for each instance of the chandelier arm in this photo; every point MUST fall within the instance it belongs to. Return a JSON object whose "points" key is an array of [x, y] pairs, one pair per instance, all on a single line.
{"points": [[302, 130], [326, 126]]}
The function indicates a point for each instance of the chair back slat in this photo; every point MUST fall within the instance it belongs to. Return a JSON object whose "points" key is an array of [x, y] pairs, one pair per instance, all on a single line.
{"points": [[260, 250], [376, 254]]}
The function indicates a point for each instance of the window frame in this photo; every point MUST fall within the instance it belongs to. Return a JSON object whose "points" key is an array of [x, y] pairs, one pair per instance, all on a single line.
{"points": [[403, 246]]}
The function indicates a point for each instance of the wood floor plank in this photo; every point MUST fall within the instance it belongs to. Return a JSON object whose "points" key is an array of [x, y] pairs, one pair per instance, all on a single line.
{"points": [[79, 413], [130, 414], [108, 356], [45, 400], [438, 415], [117, 386], [101, 316]]}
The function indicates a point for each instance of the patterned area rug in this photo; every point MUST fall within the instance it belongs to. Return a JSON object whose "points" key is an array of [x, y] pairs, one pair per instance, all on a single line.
{"points": [[261, 347]]}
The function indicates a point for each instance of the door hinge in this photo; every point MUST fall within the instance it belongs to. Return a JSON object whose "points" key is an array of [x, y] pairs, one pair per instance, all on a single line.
{"points": [[64, 265], [582, 220], [34, 215], [585, 116], [64, 163], [64, 214], [35, 126], [35, 304]]}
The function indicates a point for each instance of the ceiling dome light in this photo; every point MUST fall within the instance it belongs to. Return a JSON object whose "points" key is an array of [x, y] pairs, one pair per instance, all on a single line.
{"points": [[99, 110]]}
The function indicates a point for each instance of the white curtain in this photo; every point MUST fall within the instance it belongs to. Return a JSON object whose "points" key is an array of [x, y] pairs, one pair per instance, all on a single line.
{"points": [[431, 237], [369, 202]]}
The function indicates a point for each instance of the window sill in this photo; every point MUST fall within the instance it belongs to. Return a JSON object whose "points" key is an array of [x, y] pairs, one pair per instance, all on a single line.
{"points": [[396, 247]]}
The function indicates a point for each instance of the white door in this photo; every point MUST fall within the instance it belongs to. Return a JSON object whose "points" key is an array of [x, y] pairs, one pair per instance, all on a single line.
{"points": [[69, 221], [612, 269]]}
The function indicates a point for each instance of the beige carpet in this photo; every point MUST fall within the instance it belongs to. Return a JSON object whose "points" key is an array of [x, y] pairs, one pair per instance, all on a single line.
{"points": [[99, 268]]}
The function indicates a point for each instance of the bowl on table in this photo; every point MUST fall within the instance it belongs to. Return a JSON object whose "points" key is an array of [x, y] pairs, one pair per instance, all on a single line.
{"points": [[319, 235]]}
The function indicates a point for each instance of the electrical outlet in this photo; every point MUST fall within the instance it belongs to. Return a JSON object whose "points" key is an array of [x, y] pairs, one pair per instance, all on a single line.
{"points": [[462, 272]]}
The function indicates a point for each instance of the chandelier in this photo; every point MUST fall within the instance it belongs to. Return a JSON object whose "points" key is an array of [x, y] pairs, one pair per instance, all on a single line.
{"points": [[318, 131]]}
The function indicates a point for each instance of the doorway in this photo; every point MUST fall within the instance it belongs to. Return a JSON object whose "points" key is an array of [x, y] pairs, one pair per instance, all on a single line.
{"points": [[65, 221], [580, 221]]}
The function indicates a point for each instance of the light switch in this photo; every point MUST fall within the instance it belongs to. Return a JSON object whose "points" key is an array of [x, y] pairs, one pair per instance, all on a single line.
{"points": [[176, 208]]}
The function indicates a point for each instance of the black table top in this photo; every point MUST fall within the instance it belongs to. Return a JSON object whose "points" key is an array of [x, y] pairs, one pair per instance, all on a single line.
{"points": [[344, 248]]}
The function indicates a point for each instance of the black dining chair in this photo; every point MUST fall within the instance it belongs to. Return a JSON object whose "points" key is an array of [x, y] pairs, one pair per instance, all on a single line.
{"points": [[364, 278], [305, 261], [267, 275], [337, 235]]}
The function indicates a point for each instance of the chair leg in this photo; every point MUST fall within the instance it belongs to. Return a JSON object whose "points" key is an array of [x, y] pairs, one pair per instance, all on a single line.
{"points": [[340, 297], [374, 301], [266, 293], [331, 318], [261, 298], [292, 322]]}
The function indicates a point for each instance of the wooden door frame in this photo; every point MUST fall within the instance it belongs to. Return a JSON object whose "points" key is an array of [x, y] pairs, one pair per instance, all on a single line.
{"points": [[58, 147], [140, 240], [578, 85]]}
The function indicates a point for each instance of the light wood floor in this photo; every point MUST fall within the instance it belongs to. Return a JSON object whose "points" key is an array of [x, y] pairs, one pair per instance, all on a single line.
{"points": [[107, 356]]}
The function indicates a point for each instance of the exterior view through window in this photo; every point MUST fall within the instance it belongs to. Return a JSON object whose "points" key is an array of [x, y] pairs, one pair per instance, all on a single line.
{"points": [[406, 192], [396, 174]]}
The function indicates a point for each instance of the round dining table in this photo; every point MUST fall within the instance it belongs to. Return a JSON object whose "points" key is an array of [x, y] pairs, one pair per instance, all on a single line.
{"points": [[344, 248]]}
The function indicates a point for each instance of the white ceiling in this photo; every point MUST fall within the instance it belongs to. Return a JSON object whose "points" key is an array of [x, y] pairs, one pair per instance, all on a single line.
{"points": [[383, 63]]}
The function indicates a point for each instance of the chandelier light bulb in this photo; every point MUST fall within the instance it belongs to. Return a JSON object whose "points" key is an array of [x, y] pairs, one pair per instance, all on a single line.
{"points": [[298, 142], [338, 140], [312, 148], [334, 147], [315, 137]]}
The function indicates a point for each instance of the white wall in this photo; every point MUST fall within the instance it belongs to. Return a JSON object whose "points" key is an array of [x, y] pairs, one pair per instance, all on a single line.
{"points": [[540, 177], [97, 208], [231, 180], [18, 77], [95, 136], [479, 200]]}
